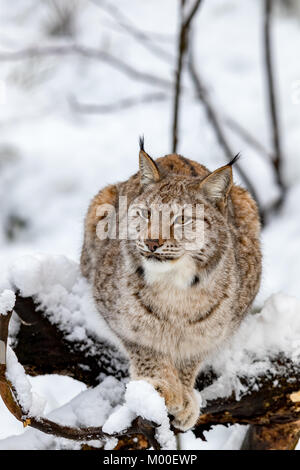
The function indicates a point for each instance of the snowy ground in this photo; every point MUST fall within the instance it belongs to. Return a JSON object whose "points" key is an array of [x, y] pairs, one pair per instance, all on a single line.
{"points": [[54, 159]]}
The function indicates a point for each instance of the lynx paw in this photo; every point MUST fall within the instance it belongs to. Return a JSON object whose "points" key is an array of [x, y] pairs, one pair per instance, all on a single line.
{"points": [[187, 416], [181, 403], [172, 394]]}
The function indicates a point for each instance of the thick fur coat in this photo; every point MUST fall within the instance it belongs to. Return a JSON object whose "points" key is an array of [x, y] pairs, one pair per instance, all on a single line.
{"points": [[169, 306]]}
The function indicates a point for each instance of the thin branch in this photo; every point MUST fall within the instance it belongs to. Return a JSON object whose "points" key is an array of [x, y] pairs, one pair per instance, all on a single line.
{"points": [[214, 120], [277, 150], [122, 104], [190, 16], [88, 53], [182, 47], [247, 137], [127, 25], [150, 35]]}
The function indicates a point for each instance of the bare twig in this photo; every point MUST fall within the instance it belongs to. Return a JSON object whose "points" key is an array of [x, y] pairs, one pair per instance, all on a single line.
{"points": [[61, 20], [127, 25], [140, 35], [277, 150], [161, 36], [122, 104], [182, 47], [247, 137], [88, 53], [214, 120]]}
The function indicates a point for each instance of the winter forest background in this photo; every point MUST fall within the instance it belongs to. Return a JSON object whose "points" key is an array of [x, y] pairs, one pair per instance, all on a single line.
{"points": [[80, 80]]}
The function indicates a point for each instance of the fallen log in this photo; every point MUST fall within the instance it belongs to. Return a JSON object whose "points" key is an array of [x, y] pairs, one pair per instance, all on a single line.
{"points": [[51, 352], [270, 403], [273, 437], [11, 399]]}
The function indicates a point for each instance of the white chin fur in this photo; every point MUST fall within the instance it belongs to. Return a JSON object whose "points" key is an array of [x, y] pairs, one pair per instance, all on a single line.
{"points": [[178, 273]]}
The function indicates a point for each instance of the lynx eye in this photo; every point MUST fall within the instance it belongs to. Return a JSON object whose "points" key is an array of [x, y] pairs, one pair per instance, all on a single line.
{"points": [[145, 213], [181, 220]]}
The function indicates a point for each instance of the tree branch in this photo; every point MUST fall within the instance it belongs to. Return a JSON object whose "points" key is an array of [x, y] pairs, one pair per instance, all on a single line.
{"points": [[122, 104], [5, 388], [182, 47], [88, 53], [276, 437], [277, 150], [247, 137], [127, 25], [52, 353], [214, 120], [10, 397]]}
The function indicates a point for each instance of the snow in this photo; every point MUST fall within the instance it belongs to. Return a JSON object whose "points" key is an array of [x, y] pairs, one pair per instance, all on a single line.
{"points": [[261, 336], [30, 274], [281, 248], [95, 405], [227, 438], [66, 298], [141, 399], [56, 391], [115, 405], [31, 403], [119, 420], [90, 407], [60, 290], [7, 301], [54, 159]]}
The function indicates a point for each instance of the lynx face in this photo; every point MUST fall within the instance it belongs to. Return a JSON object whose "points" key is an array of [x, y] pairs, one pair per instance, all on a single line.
{"points": [[179, 216], [168, 226]]}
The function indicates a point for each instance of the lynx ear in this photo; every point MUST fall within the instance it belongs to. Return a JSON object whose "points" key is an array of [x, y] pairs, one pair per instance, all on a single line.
{"points": [[217, 185], [148, 169]]}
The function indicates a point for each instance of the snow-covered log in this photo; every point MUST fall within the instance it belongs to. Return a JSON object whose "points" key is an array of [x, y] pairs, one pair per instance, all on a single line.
{"points": [[254, 380]]}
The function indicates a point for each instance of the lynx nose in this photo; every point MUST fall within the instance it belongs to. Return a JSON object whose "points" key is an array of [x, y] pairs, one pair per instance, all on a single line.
{"points": [[153, 244]]}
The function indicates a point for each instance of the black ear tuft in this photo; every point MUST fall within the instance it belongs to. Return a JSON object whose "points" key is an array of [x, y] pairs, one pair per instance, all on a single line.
{"points": [[149, 171], [235, 159], [141, 142]]}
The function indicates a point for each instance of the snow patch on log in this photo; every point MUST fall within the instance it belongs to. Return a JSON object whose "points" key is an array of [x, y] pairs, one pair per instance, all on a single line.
{"points": [[249, 353], [31, 403], [56, 284], [7, 301], [141, 399]]}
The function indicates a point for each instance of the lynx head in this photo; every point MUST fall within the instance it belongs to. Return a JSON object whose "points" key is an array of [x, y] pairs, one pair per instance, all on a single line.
{"points": [[178, 216]]}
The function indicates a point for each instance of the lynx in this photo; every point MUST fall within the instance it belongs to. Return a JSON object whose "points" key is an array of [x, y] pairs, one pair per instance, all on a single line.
{"points": [[171, 305]]}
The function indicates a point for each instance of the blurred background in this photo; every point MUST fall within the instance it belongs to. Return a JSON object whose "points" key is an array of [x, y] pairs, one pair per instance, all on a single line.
{"points": [[80, 80]]}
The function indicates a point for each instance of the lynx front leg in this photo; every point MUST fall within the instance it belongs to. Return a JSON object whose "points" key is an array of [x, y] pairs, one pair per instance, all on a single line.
{"points": [[188, 372], [146, 364], [187, 417]]}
